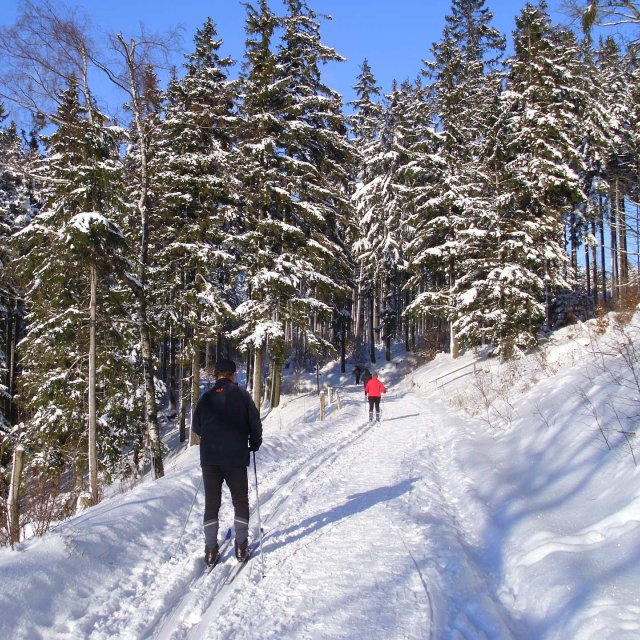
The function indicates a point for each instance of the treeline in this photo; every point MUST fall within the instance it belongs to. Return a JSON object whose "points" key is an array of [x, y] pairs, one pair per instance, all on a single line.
{"points": [[248, 215]]}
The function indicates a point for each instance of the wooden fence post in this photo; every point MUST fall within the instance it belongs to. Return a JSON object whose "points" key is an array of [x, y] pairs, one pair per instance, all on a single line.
{"points": [[323, 403]]}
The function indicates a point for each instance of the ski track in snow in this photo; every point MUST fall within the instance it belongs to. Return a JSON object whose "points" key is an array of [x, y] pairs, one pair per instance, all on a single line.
{"points": [[359, 509]]}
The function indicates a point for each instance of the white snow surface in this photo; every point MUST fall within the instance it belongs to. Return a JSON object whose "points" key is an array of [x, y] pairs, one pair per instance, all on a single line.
{"points": [[434, 523]]}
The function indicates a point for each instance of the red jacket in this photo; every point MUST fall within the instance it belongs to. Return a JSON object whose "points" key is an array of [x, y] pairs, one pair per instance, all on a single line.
{"points": [[374, 388]]}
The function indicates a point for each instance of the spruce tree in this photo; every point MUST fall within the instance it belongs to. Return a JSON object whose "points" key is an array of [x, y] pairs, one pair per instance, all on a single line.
{"points": [[302, 268], [66, 255], [381, 205], [195, 168], [465, 76], [535, 164], [263, 231], [365, 124]]}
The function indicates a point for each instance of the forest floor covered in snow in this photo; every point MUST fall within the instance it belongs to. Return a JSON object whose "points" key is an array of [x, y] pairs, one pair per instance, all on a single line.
{"points": [[499, 504]]}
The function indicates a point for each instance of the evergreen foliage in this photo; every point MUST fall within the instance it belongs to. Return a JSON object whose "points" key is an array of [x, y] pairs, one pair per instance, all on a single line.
{"points": [[71, 232]]}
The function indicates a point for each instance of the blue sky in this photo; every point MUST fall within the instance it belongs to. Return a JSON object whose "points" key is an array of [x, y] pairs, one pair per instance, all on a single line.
{"points": [[394, 35]]}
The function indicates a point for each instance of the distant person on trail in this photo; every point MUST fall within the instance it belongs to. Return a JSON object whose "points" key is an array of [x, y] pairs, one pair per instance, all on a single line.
{"points": [[374, 390], [366, 376], [357, 371], [229, 426]]}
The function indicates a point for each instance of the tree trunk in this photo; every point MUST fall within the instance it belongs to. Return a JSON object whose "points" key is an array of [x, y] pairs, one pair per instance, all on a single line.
{"points": [[182, 387], [594, 260], [343, 346], [276, 382], [151, 412], [623, 264], [587, 268], [14, 495], [603, 261], [172, 370], [257, 376], [359, 312], [613, 235], [92, 439], [249, 385], [129, 52], [454, 346], [372, 337], [195, 388]]}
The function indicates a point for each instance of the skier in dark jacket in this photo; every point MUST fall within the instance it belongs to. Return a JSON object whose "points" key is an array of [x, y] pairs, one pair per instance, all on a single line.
{"points": [[357, 371], [228, 424]]}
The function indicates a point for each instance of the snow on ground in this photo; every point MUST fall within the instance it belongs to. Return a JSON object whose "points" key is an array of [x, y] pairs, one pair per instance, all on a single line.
{"points": [[482, 506]]}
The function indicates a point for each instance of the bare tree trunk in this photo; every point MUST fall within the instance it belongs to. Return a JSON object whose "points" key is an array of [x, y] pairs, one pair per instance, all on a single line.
{"points": [[249, 371], [92, 439], [257, 376], [359, 313], [172, 370], [594, 259], [182, 387], [14, 495], [603, 262], [195, 387], [207, 356], [129, 52], [372, 338], [613, 235], [454, 346], [587, 268], [276, 382], [623, 264]]}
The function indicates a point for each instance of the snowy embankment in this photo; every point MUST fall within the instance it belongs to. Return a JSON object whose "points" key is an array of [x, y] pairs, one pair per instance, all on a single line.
{"points": [[514, 522]]}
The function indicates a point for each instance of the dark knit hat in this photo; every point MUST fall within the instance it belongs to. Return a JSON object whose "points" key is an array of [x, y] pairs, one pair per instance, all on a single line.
{"points": [[225, 365]]}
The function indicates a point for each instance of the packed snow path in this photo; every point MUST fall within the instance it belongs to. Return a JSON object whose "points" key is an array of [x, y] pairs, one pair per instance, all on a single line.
{"points": [[359, 538]]}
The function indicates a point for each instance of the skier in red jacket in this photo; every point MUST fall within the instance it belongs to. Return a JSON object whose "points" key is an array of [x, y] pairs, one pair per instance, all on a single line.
{"points": [[374, 389]]}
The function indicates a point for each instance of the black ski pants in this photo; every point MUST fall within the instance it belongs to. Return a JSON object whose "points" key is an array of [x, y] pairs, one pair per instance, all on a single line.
{"points": [[374, 402], [236, 480]]}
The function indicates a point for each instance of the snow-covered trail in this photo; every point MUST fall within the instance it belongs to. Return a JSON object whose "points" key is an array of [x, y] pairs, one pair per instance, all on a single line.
{"points": [[363, 537], [338, 538], [359, 536]]}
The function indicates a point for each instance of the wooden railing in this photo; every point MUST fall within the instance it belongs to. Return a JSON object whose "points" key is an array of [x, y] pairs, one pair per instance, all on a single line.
{"points": [[473, 364]]}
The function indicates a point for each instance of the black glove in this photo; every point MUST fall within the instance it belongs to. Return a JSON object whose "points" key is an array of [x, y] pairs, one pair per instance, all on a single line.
{"points": [[254, 446]]}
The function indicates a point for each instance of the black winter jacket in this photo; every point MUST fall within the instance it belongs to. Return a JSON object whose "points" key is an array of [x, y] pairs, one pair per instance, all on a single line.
{"points": [[228, 423]]}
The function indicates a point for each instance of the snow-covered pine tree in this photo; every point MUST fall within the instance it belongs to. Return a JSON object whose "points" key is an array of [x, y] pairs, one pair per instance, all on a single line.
{"points": [[304, 265], [18, 202], [65, 263], [198, 194], [422, 178], [263, 231], [534, 167], [365, 124], [8, 291], [593, 131], [464, 74], [381, 207], [620, 166]]}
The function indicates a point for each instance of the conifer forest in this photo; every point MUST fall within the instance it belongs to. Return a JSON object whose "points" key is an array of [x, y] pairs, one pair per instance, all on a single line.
{"points": [[240, 208]]}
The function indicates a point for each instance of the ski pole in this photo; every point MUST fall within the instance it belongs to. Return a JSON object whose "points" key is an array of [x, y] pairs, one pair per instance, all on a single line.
{"points": [[255, 473], [188, 514]]}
